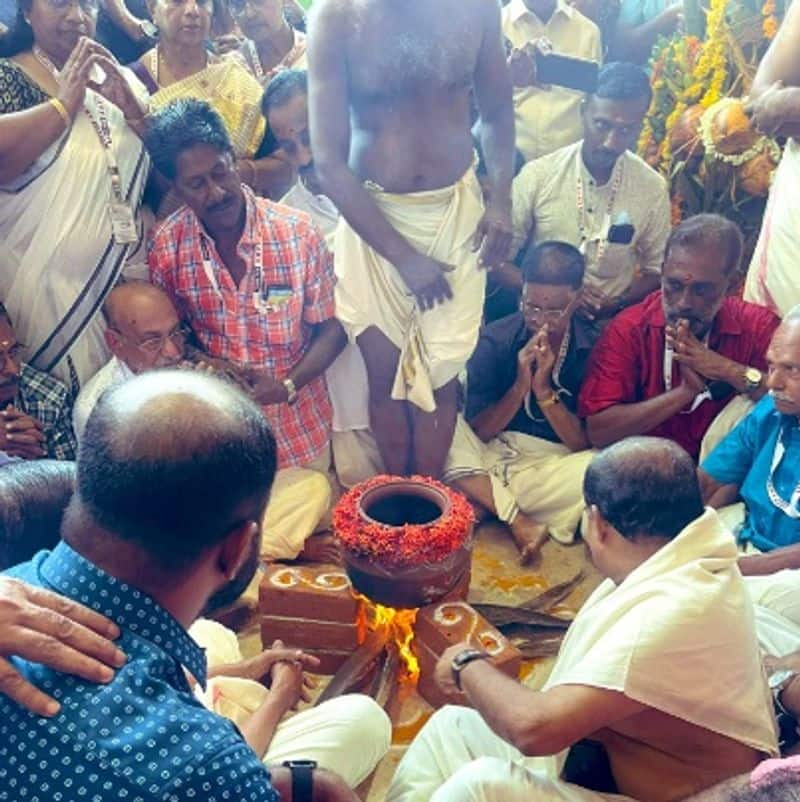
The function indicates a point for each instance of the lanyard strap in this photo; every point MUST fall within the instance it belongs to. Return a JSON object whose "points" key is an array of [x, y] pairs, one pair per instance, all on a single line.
{"points": [[258, 266], [580, 202], [100, 124], [255, 60], [792, 507], [556, 377], [668, 360]]}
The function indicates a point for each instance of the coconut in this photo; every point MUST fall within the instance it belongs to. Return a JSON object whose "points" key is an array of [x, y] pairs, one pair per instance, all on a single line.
{"points": [[755, 176], [684, 138], [729, 127]]}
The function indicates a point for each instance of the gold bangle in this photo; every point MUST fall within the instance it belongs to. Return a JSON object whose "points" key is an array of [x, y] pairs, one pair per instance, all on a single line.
{"points": [[547, 402], [62, 112]]}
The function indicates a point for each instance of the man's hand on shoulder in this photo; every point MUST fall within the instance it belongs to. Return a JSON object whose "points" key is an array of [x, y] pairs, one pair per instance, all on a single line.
{"points": [[21, 435], [45, 628]]}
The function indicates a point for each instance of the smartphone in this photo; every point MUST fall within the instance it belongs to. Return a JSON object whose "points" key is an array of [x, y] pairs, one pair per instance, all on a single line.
{"points": [[572, 73]]}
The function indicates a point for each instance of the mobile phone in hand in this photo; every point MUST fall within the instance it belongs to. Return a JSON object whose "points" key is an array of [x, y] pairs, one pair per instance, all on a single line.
{"points": [[572, 73]]}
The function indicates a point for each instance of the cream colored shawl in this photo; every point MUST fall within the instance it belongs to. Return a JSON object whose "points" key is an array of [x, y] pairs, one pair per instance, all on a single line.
{"points": [[678, 635]]}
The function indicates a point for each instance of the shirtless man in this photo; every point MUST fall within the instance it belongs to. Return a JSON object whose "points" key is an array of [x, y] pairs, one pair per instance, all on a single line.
{"points": [[389, 105]]}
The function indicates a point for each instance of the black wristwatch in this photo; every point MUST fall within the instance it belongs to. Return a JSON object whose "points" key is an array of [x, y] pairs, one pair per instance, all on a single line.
{"points": [[462, 660], [302, 779]]}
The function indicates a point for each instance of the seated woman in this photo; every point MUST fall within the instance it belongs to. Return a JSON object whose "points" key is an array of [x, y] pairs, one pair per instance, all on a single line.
{"points": [[272, 44], [182, 66], [72, 170]]}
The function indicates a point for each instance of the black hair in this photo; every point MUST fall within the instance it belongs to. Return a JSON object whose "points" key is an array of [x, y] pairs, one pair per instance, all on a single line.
{"points": [[33, 497], [282, 88], [180, 125], [4, 314], [621, 80], [181, 475], [781, 785], [19, 37], [711, 231], [553, 262], [644, 486]]}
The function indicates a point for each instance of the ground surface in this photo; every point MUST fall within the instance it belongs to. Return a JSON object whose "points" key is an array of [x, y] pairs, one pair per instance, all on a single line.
{"points": [[497, 578]]}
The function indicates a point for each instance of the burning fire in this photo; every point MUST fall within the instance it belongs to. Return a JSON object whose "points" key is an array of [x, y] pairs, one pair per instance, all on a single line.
{"points": [[400, 625]]}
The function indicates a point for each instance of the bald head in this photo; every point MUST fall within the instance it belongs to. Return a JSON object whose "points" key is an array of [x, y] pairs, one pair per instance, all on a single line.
{"points": [[644, 487], [783, 356], [173, 461], [143, 326]]}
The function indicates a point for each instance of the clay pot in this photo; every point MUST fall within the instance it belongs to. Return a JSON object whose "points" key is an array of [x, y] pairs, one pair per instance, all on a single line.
{"points": [[395, 504], [730, 128], [755, 176], [685, 141]]}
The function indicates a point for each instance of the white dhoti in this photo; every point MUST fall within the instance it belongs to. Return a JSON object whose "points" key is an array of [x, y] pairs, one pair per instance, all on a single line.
{"points": [[457, 758], [773, 279], [725, 422], [298, 504], [538, 477], [636, 638], [348, 735], [434, 345]]}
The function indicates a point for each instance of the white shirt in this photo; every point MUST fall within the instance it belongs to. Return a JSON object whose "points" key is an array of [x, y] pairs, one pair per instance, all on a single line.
{"points": [[114, 372], [319, 207], [545, 199], [548, 119]]}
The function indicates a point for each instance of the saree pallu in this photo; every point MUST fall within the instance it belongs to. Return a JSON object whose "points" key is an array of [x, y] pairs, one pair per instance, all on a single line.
{"points": [[232, 92], [58, 258]]}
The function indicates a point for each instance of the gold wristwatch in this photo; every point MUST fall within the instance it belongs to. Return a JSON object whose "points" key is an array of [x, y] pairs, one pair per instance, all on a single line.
{"points": [[753, 378]]}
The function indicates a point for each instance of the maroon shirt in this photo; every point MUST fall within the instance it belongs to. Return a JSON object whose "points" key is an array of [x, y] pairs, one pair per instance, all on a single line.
{"points": [[627, 363]]}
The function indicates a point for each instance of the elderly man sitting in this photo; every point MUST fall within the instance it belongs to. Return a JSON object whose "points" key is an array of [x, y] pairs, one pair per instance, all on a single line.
{"points": [[34, 407], [760, 460], [144, 333], [635, 674]]}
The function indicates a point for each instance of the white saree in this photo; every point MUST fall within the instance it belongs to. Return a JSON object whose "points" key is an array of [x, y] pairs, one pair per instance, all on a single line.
{"points": [[58, 258]]}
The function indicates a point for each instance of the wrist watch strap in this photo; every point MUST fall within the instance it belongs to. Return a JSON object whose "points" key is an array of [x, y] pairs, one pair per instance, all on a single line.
{"points": [[302, 779]]}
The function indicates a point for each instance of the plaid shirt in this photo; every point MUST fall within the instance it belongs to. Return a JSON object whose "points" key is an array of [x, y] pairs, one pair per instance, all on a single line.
{"points": [[296, 291], [47, 399]]}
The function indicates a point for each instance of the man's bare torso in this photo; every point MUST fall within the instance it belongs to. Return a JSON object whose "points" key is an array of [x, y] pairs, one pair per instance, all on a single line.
{"points": [[410, 67]]}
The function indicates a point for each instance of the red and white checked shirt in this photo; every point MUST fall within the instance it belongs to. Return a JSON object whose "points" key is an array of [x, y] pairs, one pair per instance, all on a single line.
{"points": [[297, 286]]}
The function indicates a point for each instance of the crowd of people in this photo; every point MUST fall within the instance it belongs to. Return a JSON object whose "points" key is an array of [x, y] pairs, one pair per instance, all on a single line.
{"points": [[261, 264]]}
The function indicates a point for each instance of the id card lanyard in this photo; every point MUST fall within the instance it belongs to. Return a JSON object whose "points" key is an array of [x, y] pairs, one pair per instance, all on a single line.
{"points": [[123, 222], [791, 507], [583, 225], [260, 299], [668, 360]]}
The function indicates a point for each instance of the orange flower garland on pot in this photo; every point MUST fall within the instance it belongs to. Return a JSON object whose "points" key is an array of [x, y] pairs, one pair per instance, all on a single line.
{"points": [[406, 540]]}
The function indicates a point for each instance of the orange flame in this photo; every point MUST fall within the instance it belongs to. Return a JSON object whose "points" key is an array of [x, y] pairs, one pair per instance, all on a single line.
{"points": [[400, 624]]}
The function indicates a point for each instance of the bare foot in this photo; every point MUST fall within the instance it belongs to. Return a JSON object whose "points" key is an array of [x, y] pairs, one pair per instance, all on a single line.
{"points": [[320, 548], [529, 535]]}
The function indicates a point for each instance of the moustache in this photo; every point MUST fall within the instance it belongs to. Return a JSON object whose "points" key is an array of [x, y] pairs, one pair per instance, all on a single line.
{"points": [[221, 206]]}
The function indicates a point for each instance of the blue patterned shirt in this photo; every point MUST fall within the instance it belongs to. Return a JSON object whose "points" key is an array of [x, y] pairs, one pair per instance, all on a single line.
{"points": [[142, 737]]}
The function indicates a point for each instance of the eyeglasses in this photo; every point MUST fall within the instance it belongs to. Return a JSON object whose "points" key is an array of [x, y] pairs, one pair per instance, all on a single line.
{"points": [[87, 6], [543, 314], [13, 353], [155, 344]]}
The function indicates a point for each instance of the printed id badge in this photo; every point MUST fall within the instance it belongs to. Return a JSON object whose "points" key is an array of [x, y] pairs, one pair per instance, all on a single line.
{"points": [[123, 223], [278, 295]]}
